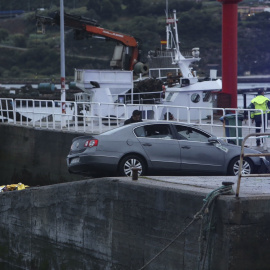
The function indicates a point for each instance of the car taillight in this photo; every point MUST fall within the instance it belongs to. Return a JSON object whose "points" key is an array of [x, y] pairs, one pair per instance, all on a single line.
{"points": [[91, 143]]}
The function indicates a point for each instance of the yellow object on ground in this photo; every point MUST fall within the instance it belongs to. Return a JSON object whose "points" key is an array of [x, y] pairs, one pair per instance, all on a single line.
{"points": [[12, 187]]}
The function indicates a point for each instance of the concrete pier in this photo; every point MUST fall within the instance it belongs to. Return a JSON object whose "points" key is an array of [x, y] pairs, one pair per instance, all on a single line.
{"points": [[117, 223]]}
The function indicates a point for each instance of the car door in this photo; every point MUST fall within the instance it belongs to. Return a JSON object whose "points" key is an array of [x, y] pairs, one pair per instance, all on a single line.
{"points": [[197, 154], [160, 146]]}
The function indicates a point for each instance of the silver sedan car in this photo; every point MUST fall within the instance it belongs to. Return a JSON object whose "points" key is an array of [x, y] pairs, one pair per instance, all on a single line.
{"points": [[157, 148]]}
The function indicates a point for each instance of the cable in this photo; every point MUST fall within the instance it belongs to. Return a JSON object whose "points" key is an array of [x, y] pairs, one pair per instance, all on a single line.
{"points": [[225, 189]]}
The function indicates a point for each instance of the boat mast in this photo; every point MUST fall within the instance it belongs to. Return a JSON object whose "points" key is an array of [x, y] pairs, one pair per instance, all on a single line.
{"points": [[168, 45], [178, 54], [172, 37], [182, 62]]}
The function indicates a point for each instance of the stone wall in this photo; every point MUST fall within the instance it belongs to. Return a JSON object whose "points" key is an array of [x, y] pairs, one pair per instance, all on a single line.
{"points": [[117, 223], [33, 156], [97, 224]]}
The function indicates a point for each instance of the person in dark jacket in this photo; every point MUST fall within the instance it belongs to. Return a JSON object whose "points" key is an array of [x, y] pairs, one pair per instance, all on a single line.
{"points": [[168, 116], [136, 117], [261, 103]]}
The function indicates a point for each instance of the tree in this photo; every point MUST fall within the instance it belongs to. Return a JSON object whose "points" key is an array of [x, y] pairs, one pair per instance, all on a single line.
{"points": [[132, 6], [107, 9], [95, 5], [3, 34], [15, 71], [19, 40]]}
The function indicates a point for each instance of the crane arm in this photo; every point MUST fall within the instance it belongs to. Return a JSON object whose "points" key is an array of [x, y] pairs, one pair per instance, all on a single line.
{"points": [[90, 26], [124, 39], [84, 27]]}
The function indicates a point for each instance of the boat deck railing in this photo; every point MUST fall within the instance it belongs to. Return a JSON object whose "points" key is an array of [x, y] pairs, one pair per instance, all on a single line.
{"points": [[162, 73], [153, 97], [169, 53], [86, 117]]}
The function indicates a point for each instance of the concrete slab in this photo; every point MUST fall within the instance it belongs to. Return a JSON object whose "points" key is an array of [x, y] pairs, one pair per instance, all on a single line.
{"points": [[119, 223], [249, 186]]}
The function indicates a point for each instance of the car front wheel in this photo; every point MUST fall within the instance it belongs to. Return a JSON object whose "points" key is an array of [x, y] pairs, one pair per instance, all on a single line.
{"points": [[247, 167], [129, 162]]}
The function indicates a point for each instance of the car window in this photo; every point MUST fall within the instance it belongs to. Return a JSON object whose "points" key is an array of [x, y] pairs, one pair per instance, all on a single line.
{"points": [[191, 134], [139, 132], [154, 131]]}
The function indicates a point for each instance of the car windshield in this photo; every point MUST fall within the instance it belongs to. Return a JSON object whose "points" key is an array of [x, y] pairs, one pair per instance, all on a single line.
{"points": [[191, 134]]}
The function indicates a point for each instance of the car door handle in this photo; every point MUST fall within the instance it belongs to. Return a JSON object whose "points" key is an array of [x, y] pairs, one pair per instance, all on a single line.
{"points": [[185, 147], [147, 144]]}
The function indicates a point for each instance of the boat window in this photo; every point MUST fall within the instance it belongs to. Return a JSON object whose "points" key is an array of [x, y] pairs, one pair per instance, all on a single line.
{"points": [[169, 97], [206, 96], [191, 134], [160, 131], [195, 98]]}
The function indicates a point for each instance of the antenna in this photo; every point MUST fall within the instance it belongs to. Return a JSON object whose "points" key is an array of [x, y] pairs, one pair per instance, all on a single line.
{"points": [[168, 45]]}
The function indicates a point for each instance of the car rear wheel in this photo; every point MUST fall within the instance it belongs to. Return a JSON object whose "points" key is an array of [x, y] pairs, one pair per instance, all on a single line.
{"points": [[129, 162], [247, 167]]}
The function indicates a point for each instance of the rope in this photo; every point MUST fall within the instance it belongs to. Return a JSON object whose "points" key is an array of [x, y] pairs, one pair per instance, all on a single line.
{"points": [[210, 199], [202, 257], [225, 189]]}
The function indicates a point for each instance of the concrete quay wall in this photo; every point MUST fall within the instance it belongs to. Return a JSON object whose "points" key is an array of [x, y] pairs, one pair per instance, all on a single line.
{"points": [[117, 223], [33, 156]]}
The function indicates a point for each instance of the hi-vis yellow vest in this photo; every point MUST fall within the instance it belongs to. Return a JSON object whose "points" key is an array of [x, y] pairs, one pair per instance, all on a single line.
{"points": [[260, 103]]}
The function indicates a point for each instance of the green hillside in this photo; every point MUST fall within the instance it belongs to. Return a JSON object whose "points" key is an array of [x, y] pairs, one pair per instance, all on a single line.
{"points": [[26, 54]]}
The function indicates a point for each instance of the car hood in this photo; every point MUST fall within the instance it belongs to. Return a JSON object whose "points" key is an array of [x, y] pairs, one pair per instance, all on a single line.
{"points": [[234, 147]]}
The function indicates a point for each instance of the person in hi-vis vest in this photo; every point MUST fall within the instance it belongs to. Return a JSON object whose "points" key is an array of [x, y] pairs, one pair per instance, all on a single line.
{"points": [[260, 102]]}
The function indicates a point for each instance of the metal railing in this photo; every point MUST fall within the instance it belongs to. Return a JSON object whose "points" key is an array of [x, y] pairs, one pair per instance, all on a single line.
{"points": [[87, 117], [243, 155]]}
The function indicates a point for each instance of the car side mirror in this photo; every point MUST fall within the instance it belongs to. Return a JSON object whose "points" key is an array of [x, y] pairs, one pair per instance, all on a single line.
{"points": [[213, 139]]}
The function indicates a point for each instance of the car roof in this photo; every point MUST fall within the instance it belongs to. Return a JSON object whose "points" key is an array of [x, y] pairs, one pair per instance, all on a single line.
{"points": [[159, 122], [131, 126]]}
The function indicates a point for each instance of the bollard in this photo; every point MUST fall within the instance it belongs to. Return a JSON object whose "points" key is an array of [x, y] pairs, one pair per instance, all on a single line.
{"points": [[135, 173], [229, 185]]}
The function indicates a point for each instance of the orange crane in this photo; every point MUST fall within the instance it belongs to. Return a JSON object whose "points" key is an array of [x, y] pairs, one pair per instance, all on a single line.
{"points": [[126, 53]]}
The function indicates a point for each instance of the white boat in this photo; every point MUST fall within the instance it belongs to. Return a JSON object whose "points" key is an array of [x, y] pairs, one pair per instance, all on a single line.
{"points": [[181, 86], [115, 92]]}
